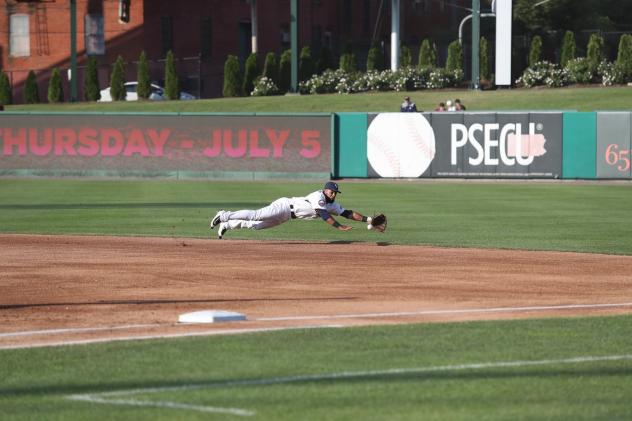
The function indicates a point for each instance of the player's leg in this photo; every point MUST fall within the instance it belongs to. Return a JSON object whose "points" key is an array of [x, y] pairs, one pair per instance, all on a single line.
{"points": [[269, 216], [239, 224], [277, 210]]}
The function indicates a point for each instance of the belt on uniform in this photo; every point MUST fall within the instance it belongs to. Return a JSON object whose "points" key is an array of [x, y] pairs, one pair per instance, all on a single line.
{"points": [[292, 214]]}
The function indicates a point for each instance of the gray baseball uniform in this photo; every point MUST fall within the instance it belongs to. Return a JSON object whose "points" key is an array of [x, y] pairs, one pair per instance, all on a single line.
{"points": [[280, 211]]}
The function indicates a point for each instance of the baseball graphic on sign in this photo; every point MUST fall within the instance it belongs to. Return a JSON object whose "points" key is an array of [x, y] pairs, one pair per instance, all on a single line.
{"points": [[400, 144]]}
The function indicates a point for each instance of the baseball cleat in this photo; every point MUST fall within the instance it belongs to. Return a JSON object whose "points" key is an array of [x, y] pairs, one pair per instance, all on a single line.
{"points": [[223, 227], [215, 221]]}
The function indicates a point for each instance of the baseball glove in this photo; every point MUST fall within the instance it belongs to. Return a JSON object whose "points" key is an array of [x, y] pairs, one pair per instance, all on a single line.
{"points": [[379, 222]]}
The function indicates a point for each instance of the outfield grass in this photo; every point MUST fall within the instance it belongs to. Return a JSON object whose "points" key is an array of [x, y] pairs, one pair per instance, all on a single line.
{"points": [[538, 216], [592, 98], [338, 374], [442, 371]]}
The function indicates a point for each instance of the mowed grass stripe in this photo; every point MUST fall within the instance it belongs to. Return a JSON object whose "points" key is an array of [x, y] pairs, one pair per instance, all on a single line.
{"points": [[591, 218], [496, 380]]}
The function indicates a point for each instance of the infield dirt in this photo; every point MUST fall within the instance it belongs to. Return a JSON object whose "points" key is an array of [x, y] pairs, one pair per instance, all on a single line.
{"points": [[76, 289]]}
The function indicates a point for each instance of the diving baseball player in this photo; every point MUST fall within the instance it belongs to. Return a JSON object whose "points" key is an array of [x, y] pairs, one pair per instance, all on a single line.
{"points": [[320, 203]]}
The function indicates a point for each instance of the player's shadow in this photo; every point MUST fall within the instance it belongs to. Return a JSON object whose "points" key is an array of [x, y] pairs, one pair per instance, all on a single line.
{"points": [[154, 302], [377, 243]]}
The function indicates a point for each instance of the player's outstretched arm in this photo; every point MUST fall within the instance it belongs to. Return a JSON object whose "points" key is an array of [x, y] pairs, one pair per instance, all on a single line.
{"points": [[356, 216], [326, 216], [331, 221]]}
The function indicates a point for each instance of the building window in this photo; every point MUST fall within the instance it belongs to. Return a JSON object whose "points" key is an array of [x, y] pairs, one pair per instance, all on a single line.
{"points": [[206, 41], [95, 38], [20, 43], [328, 39], [285, 35], [166, 34]]}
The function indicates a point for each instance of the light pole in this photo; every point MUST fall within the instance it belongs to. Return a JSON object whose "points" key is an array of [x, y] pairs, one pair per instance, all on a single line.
{"points": [[476, 16], [476, 35], [395, 34], [73, 50], [294, 46]]}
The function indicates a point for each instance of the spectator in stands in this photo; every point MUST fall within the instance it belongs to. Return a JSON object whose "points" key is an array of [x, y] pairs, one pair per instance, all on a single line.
{"points": [[408, 106], [458, 106], [450, 106], [440, 107]]}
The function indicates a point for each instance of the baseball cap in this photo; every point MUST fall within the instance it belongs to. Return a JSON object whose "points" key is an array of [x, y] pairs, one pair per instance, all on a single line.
{"points": [[332, 186]]}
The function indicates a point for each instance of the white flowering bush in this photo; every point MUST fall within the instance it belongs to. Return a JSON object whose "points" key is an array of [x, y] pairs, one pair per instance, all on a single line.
{"points": [[438, 79], [373, 81], [344, 85], [406, 79], [264, 86], [329, 82], [578, 70], [610, 73], [409, 79], [403, 79], [455, 77], [543, 73]]}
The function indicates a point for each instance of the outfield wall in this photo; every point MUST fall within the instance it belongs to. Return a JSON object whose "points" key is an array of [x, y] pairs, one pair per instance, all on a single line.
{"points": [[167, 145], [570, 145]]}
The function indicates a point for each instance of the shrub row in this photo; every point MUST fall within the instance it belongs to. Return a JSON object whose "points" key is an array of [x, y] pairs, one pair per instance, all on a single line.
{"points": [[275, 79], [590, 69], [577, 71], [91, 89]]}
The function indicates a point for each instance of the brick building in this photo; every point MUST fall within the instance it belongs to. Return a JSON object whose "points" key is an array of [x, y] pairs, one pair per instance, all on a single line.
{"points": [[35, 35]]}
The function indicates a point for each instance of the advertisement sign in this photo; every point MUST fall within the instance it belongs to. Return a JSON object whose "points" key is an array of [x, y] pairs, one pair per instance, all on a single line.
{"points": [[399, 145], [147, 143], [613, 144], [451, 144]]}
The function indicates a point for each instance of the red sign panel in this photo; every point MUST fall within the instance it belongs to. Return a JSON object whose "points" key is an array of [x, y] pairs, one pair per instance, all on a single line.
{"points": [[166, 143]]}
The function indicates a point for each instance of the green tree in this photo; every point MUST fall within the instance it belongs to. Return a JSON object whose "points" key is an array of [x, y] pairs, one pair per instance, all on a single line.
{"points": [[325, 60], [624, 56], [575, 15], [427, 54], [535, 52], [232, 77], [117, 81], [484, 59], [142, 76], [305, 64], [271, 68], [6, 94], [31, 90], [55, 89], [568, 49], [285, 71], [172, 88], [455, 57], [595, 52], [347, 61], [251, 73], [375, 58], [91, 89], [405, 57]]}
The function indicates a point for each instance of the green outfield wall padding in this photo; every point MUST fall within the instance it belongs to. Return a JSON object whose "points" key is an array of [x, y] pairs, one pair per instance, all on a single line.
{"points": [[579, 145], [350, 149]]}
